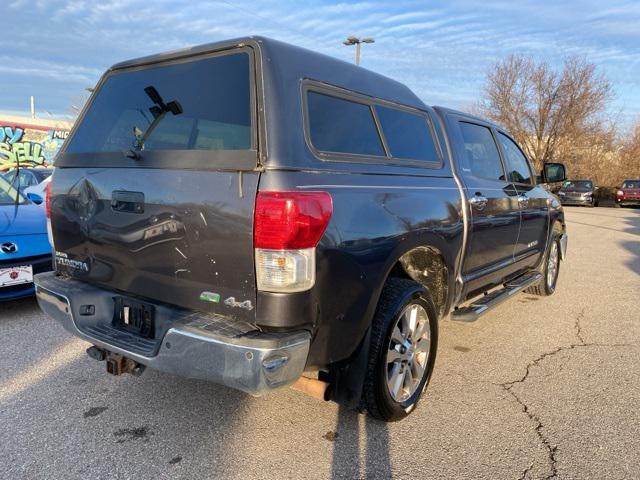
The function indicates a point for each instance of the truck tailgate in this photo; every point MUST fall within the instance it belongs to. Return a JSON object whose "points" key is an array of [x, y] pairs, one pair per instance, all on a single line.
{"points": [[176, 236]]}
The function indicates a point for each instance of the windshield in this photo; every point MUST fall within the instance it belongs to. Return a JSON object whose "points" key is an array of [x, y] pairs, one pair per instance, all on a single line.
{"points": [[631, 184], [8, 194], [571, 184], [193, 105]]}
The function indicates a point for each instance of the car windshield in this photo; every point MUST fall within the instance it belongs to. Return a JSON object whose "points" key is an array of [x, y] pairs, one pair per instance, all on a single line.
{"points": [[631, 184], [9, 194], [571, 184], [43, 174]]}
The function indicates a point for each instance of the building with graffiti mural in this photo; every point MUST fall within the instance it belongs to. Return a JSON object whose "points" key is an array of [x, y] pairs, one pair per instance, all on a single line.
{"points": [[31, 142]]}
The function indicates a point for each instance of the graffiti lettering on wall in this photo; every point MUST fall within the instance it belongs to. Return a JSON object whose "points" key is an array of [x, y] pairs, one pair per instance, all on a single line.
{"points": [[29, 146]]}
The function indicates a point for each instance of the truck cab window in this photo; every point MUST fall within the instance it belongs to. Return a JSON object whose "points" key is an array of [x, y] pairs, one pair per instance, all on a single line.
{"points": [[481, 158], [517, 163]]}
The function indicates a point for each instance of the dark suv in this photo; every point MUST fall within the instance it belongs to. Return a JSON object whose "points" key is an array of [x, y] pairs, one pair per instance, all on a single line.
{"points": [[578, 192], [246, 211]]}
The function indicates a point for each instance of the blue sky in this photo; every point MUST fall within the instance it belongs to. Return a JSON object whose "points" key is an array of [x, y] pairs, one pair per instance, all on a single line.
{"points": [[442, 50]]}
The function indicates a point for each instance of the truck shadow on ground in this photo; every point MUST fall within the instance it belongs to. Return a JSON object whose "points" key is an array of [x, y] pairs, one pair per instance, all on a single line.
{"points": [[99, 418], [633, 223], [347, 458], [93, 413], [633, 246]]}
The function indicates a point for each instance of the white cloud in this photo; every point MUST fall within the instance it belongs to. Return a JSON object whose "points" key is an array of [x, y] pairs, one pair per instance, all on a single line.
{"points": [[440, 49]]}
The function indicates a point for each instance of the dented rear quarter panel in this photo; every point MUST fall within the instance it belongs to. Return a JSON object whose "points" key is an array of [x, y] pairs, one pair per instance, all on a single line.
{"points": [[376, 219]]}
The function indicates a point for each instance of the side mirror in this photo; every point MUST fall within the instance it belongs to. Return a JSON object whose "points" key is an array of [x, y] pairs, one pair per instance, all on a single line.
{"points": [[35, 198], [554, 172]]}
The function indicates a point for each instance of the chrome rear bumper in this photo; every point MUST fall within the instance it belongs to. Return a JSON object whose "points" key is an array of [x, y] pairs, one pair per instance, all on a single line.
{"points": [[256, 363]]}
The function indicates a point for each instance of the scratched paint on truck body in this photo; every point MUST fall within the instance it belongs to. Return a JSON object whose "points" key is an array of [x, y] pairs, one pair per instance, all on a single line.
{"points": [[195, 234]]}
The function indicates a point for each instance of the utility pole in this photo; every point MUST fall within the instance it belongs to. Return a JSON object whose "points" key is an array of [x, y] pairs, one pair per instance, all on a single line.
{"points": [[357, 41]]}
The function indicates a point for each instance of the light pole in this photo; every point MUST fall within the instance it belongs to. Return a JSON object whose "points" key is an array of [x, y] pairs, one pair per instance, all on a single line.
{"points": [[357, 41]]}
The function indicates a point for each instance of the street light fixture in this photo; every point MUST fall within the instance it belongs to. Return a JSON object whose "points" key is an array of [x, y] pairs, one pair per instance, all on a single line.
{"points": [[357, 41]]}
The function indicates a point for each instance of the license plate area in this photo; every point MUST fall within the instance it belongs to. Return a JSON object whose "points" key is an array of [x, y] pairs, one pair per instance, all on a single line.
{"points": [[134, 316], [16, 275]]}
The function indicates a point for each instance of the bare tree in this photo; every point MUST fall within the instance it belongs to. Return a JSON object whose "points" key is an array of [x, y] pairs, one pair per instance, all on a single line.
{"points": [[548, 111], [632, 146], [631, 154]]}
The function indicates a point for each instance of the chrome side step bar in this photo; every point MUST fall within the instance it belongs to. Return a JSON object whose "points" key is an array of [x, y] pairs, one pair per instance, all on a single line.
{"points": [[477, 308]]}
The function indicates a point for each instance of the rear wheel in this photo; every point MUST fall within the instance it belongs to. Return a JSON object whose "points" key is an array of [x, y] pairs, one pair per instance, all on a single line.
{"points": [[402, 352], [550, 270]]}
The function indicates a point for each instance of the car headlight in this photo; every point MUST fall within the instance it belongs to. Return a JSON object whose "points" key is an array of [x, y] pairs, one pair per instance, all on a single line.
{"points": [[588, 194], [561, 194]]}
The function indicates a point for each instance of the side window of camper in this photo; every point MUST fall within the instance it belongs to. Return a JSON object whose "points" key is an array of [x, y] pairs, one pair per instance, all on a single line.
{"points": [[337, 125], [408, 134]]}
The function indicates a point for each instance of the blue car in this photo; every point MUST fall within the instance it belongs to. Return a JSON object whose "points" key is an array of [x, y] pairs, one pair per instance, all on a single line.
{"points": [[24, 245]]}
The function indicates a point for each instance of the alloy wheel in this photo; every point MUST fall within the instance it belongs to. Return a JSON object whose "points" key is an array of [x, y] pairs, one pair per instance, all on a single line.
{"points": [[408, 352]]}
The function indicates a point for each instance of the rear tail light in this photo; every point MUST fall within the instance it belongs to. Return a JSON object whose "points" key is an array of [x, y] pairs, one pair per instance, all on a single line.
{"points": [[287, 228], [285, 271], [47, 199]]}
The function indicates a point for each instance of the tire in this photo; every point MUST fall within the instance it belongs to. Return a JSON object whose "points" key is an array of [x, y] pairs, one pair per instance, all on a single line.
{"points": [[400, 297], [547, 285]]}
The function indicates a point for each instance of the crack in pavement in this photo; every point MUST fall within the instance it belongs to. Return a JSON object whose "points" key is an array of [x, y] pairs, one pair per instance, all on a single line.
{"points": [[507, 386], [525, 472], [551, 449]]}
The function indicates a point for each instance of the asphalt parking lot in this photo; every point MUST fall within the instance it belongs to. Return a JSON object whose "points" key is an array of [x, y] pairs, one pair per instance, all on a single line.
{"points": [[539, 388]]}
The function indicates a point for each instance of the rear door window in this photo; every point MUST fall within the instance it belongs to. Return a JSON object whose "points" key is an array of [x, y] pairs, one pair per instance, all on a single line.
{"points": [[408, 135], [517, 163], [481, 158], [200, 104], [337, 125]]}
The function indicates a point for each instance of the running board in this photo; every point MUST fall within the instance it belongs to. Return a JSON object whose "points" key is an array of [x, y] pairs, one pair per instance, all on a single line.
{"points": [[472, 312]]}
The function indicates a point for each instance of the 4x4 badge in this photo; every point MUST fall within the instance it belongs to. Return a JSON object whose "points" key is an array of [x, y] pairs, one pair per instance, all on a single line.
{"points": [[232, 302]]}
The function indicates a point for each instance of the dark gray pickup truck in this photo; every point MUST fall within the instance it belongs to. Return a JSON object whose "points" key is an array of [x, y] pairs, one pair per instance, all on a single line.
{"points": [[247, 212]]}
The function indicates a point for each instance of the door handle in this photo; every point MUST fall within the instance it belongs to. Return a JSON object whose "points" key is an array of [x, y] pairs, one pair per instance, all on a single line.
{"points": [[523, 200], [478, 201]]}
